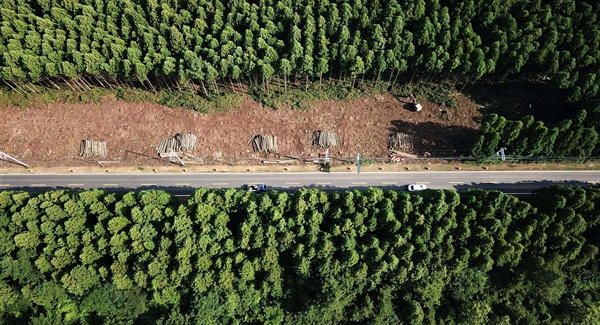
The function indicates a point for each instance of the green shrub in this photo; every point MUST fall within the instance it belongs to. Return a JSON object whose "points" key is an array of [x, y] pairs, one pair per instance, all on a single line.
{"points": [[302, 96], [437, 94], [215, 103]]}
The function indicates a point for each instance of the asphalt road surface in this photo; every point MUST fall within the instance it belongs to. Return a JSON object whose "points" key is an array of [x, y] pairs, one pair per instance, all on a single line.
{"points": [[511, 182]]}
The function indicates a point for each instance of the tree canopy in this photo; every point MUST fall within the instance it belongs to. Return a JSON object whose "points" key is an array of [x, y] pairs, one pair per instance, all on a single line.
{"points": [[571, 138], [370, 256], [214, 40]]}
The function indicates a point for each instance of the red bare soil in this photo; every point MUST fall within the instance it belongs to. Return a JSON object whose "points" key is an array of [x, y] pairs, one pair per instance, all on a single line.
{"points": [[51, 136]]}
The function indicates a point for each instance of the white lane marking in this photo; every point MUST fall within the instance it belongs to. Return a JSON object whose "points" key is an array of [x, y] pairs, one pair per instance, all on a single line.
{"points": [[4, 185], [74, 185], [38, 184], [111, 184], [323, 183], [220, 183], [359, 183]]}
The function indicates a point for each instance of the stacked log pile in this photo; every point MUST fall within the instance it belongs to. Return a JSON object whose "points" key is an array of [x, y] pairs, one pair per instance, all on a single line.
{"points": [[264, 143], [400, 142], [398, 156], [324, 138], [181, 142], [90, 148]]}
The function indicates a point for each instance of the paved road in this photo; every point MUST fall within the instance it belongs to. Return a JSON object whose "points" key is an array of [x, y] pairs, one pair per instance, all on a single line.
{"points": [[182, 183]]}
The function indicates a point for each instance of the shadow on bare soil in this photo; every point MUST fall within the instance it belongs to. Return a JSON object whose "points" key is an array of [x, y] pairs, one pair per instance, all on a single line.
{"points": [[437, 139], [10, 162], [517, 99], [143, 155]]}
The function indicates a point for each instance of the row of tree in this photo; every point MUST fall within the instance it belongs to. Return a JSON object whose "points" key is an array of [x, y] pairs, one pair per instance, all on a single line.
{"points": [[210, 41], [229, 256], [572, 138]]}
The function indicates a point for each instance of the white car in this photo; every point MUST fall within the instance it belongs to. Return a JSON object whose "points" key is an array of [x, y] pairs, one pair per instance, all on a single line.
{"points": [[416, 187]]}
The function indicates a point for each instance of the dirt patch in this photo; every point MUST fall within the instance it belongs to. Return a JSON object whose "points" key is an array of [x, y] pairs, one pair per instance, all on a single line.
{"points": [[51, 136]]}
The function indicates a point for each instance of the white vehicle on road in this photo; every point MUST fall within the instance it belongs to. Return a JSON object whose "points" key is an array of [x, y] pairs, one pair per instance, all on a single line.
{"points": [[416, 187]]}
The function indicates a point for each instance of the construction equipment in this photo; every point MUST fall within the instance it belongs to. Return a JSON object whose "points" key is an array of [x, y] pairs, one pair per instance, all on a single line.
{"points": [[416, 105]]}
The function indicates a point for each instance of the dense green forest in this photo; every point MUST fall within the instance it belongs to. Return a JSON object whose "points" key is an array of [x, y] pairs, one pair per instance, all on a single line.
{"points": [[358, 257], [570, 138], [177, 44]]}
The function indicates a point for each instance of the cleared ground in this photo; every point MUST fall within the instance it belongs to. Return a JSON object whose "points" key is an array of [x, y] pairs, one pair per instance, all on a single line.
{"points": [[50, 136]]}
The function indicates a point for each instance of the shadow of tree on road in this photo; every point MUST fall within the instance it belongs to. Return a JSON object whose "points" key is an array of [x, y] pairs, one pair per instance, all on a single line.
{"points": [[518, 187]]}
